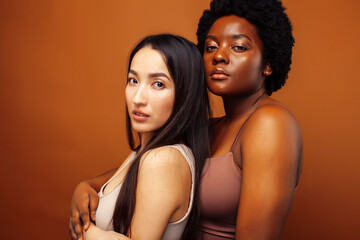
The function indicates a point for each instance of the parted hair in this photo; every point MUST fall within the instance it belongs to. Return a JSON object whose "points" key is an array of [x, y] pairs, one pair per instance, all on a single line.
{"points": [[273, 27], [188, 124]]}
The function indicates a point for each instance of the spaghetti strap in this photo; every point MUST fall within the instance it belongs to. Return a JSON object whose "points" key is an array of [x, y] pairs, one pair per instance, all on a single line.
{"points": [[239, 133]]}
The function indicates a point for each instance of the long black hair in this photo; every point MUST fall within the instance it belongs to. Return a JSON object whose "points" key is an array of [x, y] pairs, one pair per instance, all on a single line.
{"points": [[187, 124]]}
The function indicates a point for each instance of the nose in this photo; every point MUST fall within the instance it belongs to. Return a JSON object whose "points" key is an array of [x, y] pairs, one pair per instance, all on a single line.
{"points": [[140, 96], [221, 56]]}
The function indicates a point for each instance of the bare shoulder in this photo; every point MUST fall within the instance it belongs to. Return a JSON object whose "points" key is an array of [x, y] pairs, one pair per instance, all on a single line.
{"points": [[162, 192], [273, 131], [164, 157], [273, 119]]}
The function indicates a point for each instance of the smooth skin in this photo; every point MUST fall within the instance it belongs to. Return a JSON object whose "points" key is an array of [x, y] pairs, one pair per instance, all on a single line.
{"points": [[150, 92], [164, 178], [268, 154], [269, 151], [158, 202]]}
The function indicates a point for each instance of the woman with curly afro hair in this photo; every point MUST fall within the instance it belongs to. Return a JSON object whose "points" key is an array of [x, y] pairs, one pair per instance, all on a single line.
{"points": [[249, 182]]}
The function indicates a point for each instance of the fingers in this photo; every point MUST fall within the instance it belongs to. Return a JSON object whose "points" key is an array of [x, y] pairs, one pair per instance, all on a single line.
{"points": [[94, 202], [85, 219], [75, 227], [71, 232], [75, 231]]}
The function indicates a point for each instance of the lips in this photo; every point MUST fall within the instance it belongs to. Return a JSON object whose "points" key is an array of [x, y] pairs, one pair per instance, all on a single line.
{"points": [[219, 74], [140, 115]]}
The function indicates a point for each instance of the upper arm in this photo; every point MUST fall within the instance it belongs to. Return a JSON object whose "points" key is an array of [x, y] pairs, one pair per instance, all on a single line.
{"points": [[271, 156], [164, 179]]}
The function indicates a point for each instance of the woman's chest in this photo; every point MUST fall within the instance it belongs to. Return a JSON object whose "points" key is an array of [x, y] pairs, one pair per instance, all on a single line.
{"points": [[220, 189]]}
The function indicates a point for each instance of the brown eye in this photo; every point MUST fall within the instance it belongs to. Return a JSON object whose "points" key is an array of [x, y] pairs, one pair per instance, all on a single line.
{"points": [[210, 48], [158, 85], [239, 48], [132, 81]]}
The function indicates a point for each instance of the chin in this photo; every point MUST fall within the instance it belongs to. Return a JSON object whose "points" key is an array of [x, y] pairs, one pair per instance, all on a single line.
{"points": [[219, 91], [218, 87], [144, 129], [139, 129]]}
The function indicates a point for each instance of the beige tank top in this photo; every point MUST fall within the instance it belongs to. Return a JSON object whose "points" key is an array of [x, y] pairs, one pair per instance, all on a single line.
{"points": [[105, 210]]}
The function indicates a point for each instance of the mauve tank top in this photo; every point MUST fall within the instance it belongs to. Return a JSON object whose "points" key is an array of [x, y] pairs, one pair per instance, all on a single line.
{"points": [[220, 194]]}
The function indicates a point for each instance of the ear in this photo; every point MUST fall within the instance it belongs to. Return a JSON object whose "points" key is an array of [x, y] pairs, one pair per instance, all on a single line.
{"points": [[267, 69]]}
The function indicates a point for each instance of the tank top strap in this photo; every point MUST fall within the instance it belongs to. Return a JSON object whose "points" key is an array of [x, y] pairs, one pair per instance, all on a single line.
{"points": [[239, 133]]}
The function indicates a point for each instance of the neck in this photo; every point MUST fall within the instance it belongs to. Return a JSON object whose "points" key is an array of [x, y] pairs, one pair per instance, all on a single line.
{"points": [[144, 139], [238, 106]]}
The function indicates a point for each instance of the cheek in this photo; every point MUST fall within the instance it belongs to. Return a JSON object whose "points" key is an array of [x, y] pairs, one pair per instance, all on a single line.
{"points": [[168, 106], [164, 105], [247, 69], [128, 98]]}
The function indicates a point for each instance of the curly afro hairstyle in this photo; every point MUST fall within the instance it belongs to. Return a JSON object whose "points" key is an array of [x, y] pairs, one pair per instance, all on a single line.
{"points": [[273, 27]]}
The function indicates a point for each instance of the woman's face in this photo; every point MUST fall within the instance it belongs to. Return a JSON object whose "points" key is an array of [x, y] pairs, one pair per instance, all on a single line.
{"points": [[232, 57], [150, 91]]}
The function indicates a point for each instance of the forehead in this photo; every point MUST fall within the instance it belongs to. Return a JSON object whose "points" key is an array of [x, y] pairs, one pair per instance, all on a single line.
{"points": [[231, 25], [148, 60]]}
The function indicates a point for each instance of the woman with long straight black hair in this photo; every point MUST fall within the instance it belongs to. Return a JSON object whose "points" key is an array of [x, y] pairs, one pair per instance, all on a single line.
{"points": [[153, 193]]}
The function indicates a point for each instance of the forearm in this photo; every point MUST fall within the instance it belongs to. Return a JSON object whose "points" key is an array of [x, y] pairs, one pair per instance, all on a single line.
{"points": [[84, 203], [95, 233]]}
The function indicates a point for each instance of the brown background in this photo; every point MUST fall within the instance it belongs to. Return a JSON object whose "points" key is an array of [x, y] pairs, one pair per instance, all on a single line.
{"points": [[62, 76]]}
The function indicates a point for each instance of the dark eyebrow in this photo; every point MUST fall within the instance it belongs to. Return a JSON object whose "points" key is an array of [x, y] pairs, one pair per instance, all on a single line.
{"points": [[234, 37], [211, 37], [151, 75], [242, 36], [133, 72], [155, 75]]}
